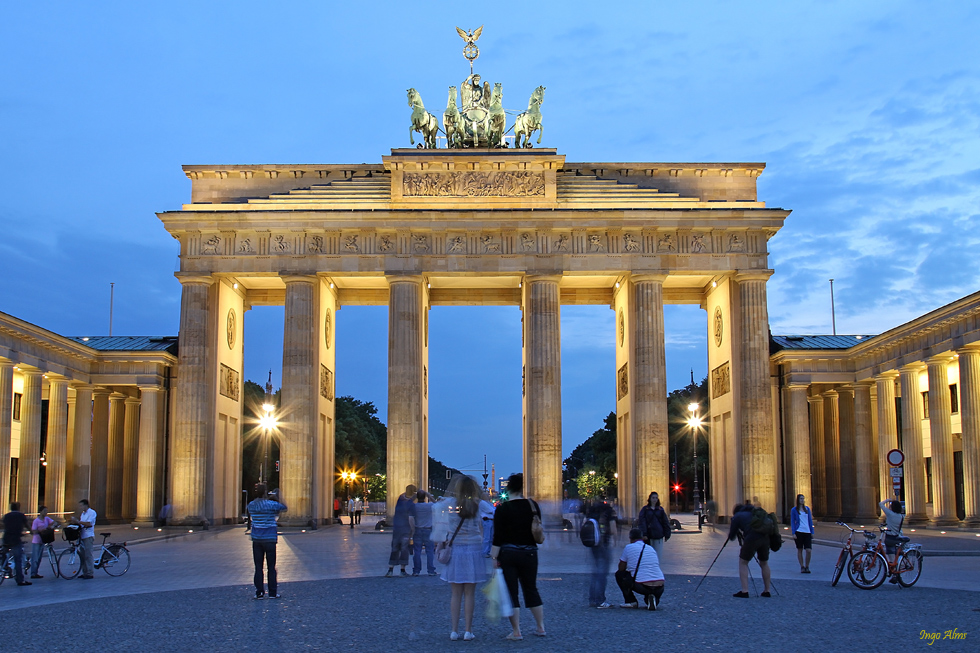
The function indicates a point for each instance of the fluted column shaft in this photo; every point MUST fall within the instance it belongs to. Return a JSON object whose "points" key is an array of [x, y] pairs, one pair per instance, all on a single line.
{"points": [[114, 461], [649, 375], [6, 422], [798, 423], [864, 454], [57, 445], [130, 453], [887, 430], [941, 434], [832, 451], [81, 444], [405, 378], [29, 463], [147, 481], [542, 428], [848, 462], [818, 476], [755, 402], [193, 416], [970, 421], [914, 467], [300, 378]]}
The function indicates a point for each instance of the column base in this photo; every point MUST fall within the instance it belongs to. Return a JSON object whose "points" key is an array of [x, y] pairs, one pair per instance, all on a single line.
{"points": [[143, 524], [917, 520], [945, 522], [970, 523]]}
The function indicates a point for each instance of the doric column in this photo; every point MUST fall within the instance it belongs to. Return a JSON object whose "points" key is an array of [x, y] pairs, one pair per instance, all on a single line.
{"points": [[848, 464], [798, 439], [970, 422], [887, 430], [406, 375], [542, 412], [864, 455], [818, 472], [114, 460], [130, 453], [81, 444], [29, 463], [915, 465], [941, 434], [832, 453], [149, 468], [300, 379], [6, 422], [755, 403], [57, 445], [649, 376], [193, 415]]}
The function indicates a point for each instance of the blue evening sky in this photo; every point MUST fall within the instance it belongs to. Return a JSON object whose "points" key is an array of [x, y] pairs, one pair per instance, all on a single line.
{"points": [[866, 114]]}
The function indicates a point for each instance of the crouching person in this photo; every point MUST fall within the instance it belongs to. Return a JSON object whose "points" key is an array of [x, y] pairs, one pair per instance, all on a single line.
{"points": [[639, 572]]}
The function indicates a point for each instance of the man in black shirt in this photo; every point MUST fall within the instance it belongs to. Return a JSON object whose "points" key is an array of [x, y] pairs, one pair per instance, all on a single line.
{"points": [[14, 525]]}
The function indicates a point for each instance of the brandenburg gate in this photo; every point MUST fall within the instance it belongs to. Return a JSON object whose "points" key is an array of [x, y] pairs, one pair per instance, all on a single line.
{"points": [[469, 226]]}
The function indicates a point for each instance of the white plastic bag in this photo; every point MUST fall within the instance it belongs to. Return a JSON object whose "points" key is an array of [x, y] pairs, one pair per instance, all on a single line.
{"points": [[498, 598]]}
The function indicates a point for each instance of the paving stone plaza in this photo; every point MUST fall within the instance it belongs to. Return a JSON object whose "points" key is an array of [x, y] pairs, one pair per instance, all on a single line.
{"points": [[185, 588]]}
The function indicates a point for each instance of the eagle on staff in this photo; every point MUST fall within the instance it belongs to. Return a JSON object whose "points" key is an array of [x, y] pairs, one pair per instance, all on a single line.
{"points": [[471, 36]]}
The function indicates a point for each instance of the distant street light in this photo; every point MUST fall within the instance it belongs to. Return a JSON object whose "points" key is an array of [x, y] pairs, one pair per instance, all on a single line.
{"points": [[694, 422]]}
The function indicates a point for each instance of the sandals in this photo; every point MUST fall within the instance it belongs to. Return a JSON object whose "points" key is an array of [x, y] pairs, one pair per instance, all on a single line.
{"points": [[514, 638], [541, 634]]}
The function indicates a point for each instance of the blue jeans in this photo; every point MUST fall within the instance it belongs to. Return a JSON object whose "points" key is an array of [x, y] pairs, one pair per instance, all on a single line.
{"points": [[17, 551], [36, 551], [422, 540], [487, 536], [601, 555]]}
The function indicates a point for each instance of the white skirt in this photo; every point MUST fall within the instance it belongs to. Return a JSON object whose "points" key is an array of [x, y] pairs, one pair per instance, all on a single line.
{"points": [[468, 565]]}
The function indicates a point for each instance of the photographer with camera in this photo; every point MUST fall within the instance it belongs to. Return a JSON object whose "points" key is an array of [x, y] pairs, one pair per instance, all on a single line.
{"points": [[263, 511]]}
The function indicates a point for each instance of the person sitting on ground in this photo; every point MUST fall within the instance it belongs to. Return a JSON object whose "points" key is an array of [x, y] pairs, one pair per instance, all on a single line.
{"points": [[639, 571], [753, 544]]}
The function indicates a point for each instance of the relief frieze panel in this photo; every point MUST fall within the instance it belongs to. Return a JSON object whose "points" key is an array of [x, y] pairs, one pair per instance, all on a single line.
{"points": [[473, 184], [229, 384], [721, 380]]}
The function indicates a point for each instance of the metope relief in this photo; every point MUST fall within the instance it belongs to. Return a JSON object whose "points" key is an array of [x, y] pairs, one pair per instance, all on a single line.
{"points": [[211, 245], [228, 383], [385, 244], [489, 247], [316, 245], [561, 245], [721, 380], [350, 244], [630, 243], [457, 245], [421, 243], [279, 244], [697, 243], [595, 243], [736, 243], [527, 242], [245, 247], [623, 381], [326, 383], [473, 184], [666, 243]]}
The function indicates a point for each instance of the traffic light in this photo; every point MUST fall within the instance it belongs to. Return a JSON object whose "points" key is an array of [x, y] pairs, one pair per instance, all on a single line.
{"points": [[677, 487], [277, 465]]}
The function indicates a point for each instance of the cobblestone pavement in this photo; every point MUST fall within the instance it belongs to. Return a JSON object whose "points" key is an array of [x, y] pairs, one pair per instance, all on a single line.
{"points": [[196, 588]]}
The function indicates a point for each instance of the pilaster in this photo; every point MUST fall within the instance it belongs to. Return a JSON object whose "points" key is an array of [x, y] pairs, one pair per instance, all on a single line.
{"points": [[915, 465], [941, 435], [149, 468], [848, 449], [798, 439], [130, 455], [81, 456], [542, 400], [818, 476], [116, 448], [864, 455], [56, 449], [832, 452]]}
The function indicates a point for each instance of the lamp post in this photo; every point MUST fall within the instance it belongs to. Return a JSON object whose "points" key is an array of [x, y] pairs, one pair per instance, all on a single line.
{"points": [[268, 424], [348, 478], [695, 423]]}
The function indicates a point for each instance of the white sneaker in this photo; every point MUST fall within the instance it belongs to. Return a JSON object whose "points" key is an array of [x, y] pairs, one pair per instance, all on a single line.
{"points": [[604, 605], [454, 636], [468, 636], [628, 605]]}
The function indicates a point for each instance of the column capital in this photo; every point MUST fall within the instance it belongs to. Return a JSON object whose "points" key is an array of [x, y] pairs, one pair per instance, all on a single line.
{"points": [[972, 348], [910, 368], [940, 359], [150, 388], [4, 362], [117, 395], [194, 278], [298, 277], [830, 394], [648, 276], [797, 385], [29, 371], [815, 399], [533, 278], [752, 275], [132, 401], [404, 278], [889, 375]]}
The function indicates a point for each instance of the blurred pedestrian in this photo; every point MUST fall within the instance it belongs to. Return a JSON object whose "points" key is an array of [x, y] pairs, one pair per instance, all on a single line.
{"points": [[753, 544], [486, 516], [358, 509], [42, 531], [654, 524], [601, 511], [350, 510], [467, 567], [263, 511], [423, 535], [639, 571], [14, 526], [516, 553], [403, 530], [801, 523]]}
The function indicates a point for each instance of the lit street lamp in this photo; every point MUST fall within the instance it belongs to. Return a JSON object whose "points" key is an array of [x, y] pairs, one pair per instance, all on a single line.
{"points": [[348, 478], [695, 423], [268, 423]]}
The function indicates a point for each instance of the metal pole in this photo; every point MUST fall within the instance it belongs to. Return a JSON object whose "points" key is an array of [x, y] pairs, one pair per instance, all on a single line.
{"points": [[833, 312], [112, 292]]}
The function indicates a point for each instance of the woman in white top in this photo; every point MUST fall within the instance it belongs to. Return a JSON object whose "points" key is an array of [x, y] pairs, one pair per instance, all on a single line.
{"points": [[467, 567], [801, 521]]}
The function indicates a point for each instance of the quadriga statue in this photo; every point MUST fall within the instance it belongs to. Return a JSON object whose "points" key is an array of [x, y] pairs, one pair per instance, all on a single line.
{"points": [[422, 121], [530, 121]]}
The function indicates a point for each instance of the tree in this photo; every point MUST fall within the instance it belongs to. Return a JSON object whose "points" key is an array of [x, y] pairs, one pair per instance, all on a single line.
{"points": [[598, 452], [591, 484], [681, 439]]}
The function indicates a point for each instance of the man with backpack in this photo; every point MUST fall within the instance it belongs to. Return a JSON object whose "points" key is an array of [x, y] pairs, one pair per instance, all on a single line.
{"points": [[753, 527], [601, 519]]}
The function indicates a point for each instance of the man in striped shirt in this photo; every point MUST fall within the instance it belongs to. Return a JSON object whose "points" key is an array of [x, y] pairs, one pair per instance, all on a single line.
{"points": [[263, 512]]}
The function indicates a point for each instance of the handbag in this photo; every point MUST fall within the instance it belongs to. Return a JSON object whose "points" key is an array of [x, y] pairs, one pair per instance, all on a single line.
{"points": [[445, 552], [537, 530]]}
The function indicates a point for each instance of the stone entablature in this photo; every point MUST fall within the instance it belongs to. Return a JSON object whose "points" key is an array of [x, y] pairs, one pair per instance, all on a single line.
{"points": [[945, 329]]}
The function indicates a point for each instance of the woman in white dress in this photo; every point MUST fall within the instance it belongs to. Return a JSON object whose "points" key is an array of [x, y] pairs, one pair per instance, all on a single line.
{"points": [[468, 565]]}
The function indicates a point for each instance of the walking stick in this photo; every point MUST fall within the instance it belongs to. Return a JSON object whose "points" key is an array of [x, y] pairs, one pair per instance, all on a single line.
{"points": [[754, 588], [712, 564]]}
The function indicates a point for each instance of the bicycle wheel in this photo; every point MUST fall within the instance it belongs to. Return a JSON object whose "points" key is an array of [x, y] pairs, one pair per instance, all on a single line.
{"points": [[910, 568], [53, 559], [839, 568], [867, 570], [69, 563], [115, 560], [4, 564]]}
